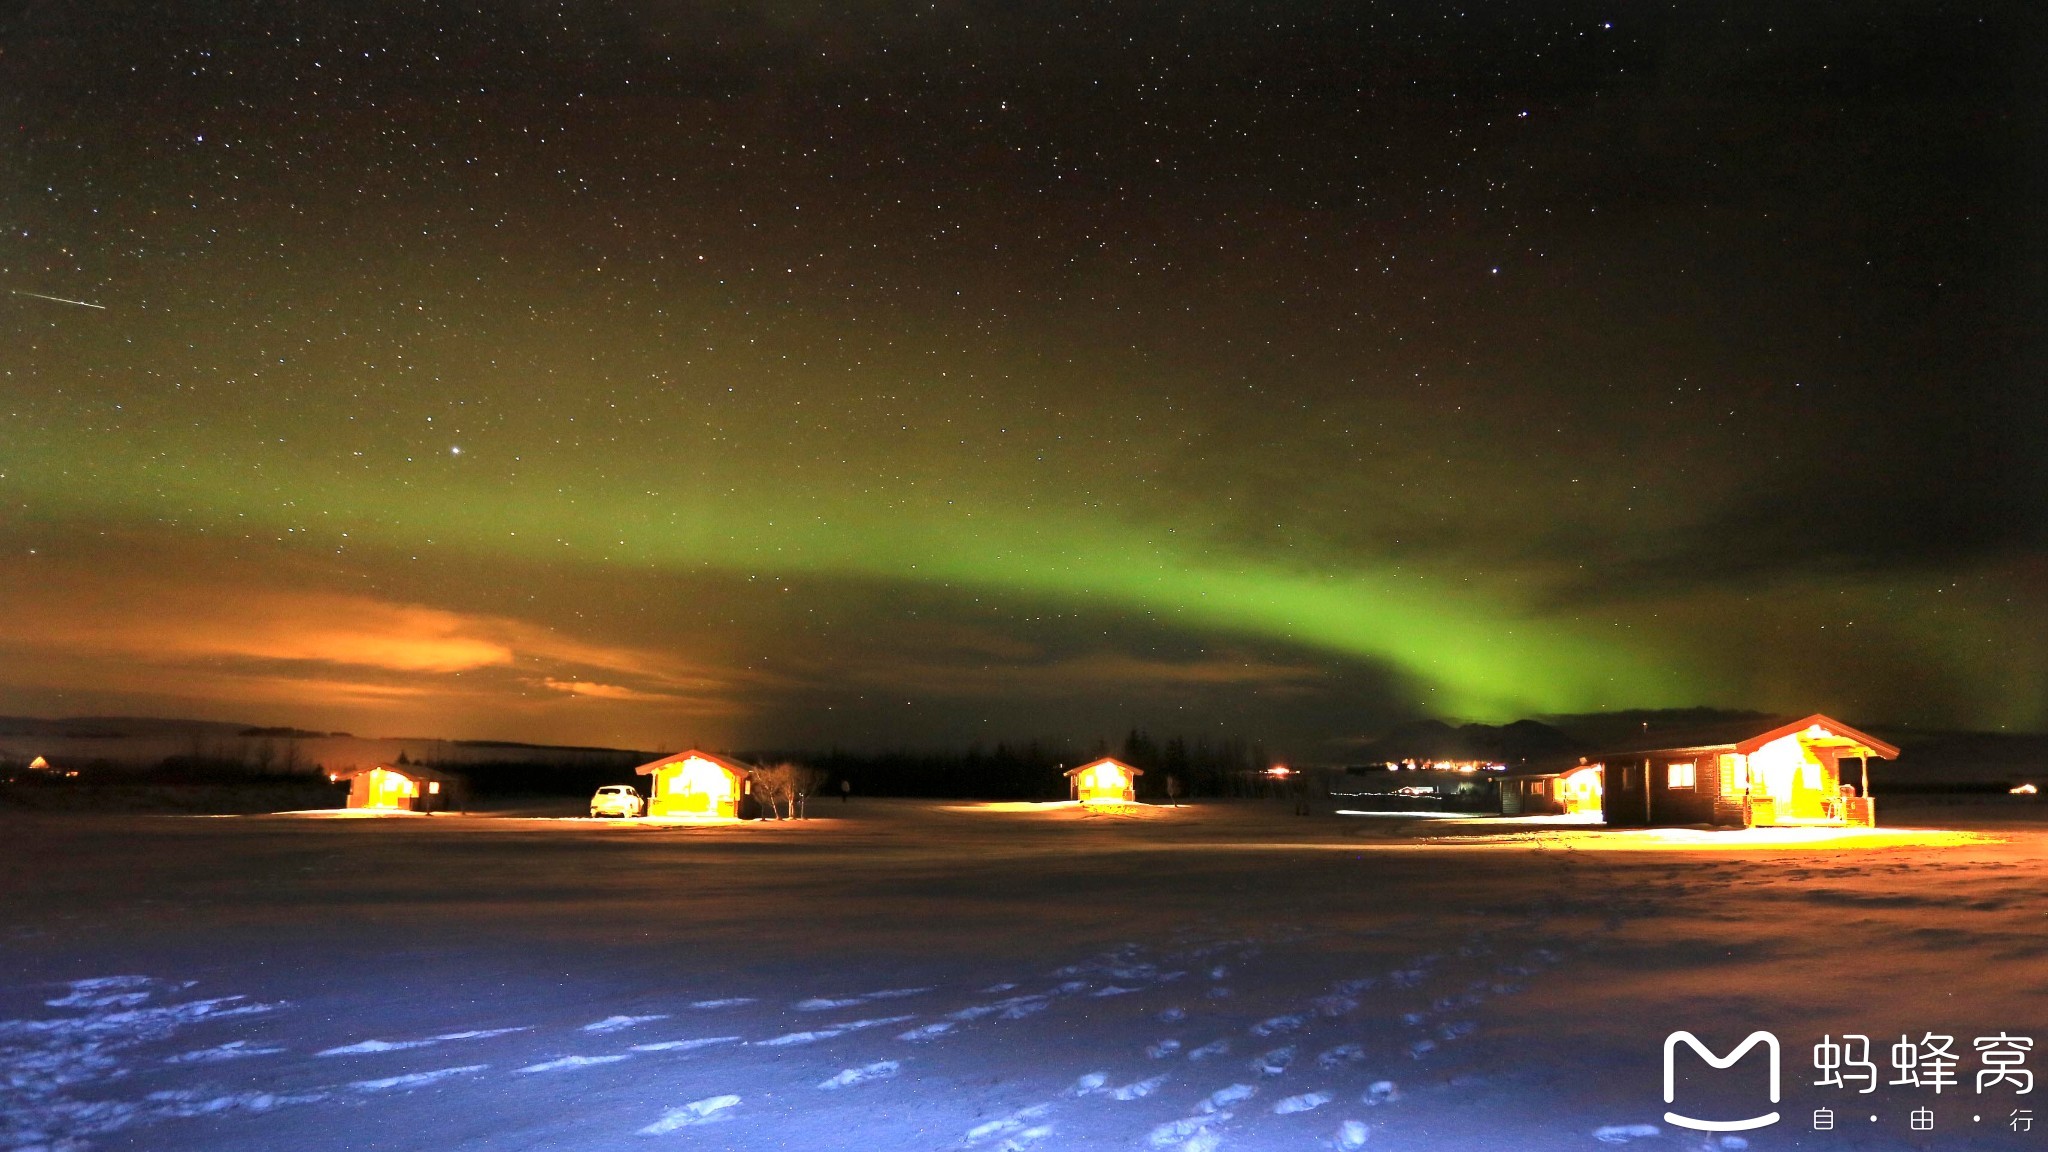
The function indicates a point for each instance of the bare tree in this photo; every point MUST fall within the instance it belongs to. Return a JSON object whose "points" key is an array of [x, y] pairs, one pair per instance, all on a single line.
{"points": [[775, 788], [804, 781]]}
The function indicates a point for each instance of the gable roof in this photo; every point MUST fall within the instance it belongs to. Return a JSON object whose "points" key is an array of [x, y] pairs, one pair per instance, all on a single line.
{"points": [[731, 766], [418, 772], [1104, 760], [1746, 736], [1819, 725]]}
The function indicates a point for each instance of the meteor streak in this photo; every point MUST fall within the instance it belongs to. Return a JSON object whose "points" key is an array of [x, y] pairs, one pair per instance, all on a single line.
{"points": [[56, 299]]}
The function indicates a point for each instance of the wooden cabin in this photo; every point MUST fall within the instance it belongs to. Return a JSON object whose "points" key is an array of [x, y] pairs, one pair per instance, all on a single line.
{"points": [[1573, 791], [1105, 781], [1790, 774], [698, 785], [401, 788]]}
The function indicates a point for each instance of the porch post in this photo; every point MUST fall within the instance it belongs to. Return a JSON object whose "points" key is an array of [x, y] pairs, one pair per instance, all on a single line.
{"points": [[1864, 762]]}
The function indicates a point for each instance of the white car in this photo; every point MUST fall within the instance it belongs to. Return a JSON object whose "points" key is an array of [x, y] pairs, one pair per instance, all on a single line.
{"points": [[615, 800]]}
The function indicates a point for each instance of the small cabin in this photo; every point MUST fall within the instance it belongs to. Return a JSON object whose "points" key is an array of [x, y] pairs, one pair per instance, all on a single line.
{"points": [[400, 788], [1574, 791], [1809, 772], [1105, 781], [698, 785]]}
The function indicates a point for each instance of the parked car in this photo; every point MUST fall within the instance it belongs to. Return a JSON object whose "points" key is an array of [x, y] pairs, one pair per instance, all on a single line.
{"points": [[615, 800]]}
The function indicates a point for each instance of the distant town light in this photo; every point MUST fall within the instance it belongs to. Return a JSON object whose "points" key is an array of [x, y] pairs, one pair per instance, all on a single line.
{"points": [[2025, 790]]}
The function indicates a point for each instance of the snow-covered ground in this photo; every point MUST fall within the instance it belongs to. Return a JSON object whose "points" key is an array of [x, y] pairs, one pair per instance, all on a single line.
{"points": [[930, 976]]}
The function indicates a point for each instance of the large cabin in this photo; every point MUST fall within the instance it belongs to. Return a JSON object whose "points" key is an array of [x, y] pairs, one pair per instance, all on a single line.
{"points": [[1105, 781], [400, 788], [1814, 771], [698, 786]]}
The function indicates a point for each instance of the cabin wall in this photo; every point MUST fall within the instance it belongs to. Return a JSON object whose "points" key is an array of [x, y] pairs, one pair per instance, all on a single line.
{"points": [[1536, 797], [1623, 804]]}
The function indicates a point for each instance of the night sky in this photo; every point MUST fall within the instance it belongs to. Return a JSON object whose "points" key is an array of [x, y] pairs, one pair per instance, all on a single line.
{"points": [[787, 375]]}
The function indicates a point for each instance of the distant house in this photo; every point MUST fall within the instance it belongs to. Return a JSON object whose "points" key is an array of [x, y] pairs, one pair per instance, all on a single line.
{"points": [[1105, 781], [1573, 791], [401, 788], [698, 785], [1751, 774]]}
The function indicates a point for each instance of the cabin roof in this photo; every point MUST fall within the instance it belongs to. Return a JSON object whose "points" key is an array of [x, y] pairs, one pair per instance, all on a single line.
{"points": [[1104, 760], [732, 767], [1746, 736]]}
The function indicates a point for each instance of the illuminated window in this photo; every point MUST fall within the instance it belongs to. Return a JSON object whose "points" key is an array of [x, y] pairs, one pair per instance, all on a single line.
{"points": [[1679, 775], [433, 787], [1734, 774]]}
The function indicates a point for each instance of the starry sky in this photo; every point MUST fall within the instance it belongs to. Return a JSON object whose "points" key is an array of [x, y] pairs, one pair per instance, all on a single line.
{"points": [[885, 375]]}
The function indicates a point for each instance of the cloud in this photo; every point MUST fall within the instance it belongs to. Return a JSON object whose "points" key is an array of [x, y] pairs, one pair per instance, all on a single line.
{"points": [[602, 691], [218, 638]]}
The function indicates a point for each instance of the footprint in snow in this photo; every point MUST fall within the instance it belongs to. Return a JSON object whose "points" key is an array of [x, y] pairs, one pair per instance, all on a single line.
{"points": [[1354, 987], [1340, 1056], [1273, 1063], [1017, 1124], [930, 1031], [1458, 1029], [1213, 1048], [1421, 1048], [366, 1047], [791, 1039], [1273, 1026], [1137, 1090], [1381, 1092], [1306, 1102], [233, 1050], [995, 988], [560, 1063], [706, 1111], [1623, 1133], [684, 1045], [614, 1023], [1089, 1085], [1219, 992], [824, 1003], [1173, 1015], [415, 1079], [1335, 1006], [1022, 1005], [1351, 1135], [880, 1070], [1163, 1049], [1194, 1132], [1111, 990], [728, 1002], [1223, 1098]]}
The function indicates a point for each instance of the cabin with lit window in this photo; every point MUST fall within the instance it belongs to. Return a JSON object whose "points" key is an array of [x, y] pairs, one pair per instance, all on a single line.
{"points": [[698, 785], [1573, 791], [1814, 771], [400, 788], [1105, 781]]}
